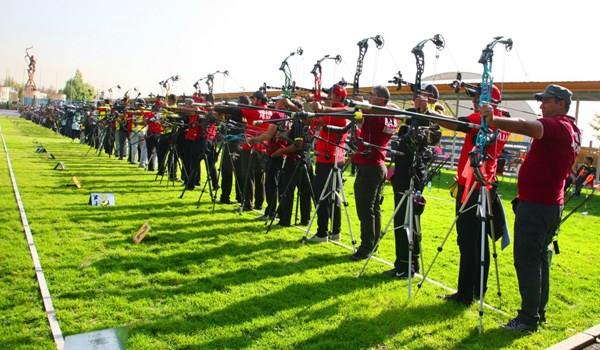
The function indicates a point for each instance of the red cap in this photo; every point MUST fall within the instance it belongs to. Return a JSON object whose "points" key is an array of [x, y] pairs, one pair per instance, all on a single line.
{"points": [[339, 90], [496, 94], [198, 98]]}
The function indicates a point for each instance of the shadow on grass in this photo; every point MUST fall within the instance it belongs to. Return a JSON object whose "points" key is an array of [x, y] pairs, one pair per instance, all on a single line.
{"points": [[351, 333], [174, 286], [501, 338], [149, 263]]}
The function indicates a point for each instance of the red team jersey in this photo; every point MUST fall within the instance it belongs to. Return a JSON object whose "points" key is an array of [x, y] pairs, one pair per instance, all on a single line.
{"points": [[548, 163], [493, 150], [378, 131], [252, 115]]}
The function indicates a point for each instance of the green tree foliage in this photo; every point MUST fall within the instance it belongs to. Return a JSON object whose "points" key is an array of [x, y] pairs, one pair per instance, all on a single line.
{"points": [[77, 89], [595, 124]]}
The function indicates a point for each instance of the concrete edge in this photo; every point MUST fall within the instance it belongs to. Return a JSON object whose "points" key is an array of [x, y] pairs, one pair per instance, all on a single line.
{"points": [[579, 340]]}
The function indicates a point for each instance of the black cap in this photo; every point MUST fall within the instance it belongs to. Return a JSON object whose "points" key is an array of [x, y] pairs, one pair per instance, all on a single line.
{"points": [[428, 89], [555, 91], [259, 94]]}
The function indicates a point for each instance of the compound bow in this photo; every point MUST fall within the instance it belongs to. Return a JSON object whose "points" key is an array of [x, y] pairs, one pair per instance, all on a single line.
{"points": [[317, 72], [485, 135], [363, 46], [440, 43], [168, 83]]}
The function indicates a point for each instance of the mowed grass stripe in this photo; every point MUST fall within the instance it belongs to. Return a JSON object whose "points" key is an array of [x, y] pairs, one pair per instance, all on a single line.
{"points": [[22, 319], [206, 281]]}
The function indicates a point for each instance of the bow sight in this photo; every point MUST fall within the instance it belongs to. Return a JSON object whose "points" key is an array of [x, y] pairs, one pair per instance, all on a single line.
{"points": [[210, 78], [289, 85], [168, 83], [485, 136], [110, 90], [317, 72], [440, 43], [126, 94], [486, 59], [363, 46]]}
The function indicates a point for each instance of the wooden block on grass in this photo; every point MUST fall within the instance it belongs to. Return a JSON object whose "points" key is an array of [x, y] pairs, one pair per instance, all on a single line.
{"points": [[75, 182], [141, 233]]}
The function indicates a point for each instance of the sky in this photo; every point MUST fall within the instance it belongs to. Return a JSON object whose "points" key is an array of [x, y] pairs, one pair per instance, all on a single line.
{"points": [[139, 43]]}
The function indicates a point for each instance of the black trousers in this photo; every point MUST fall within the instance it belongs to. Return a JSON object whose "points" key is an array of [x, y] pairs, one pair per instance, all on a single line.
{"points": [[468, 229], [192, 152], [253, 179], [208, 154], [121, 152], [368, 191], [535, 225], [168, 155], [400, 184], [296, 174], [109, 140], [322, 171], [230, 165], [151, 146], [272, 190]]}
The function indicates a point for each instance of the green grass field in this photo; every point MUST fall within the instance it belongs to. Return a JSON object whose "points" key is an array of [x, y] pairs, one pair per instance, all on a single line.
{"points": [[216, 281]]}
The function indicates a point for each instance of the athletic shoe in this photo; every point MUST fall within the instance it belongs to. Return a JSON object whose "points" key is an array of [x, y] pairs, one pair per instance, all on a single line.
{"points": [[263, 217], [517, 325], [542, 319], [457, 298], [317, 239], [358, 256], [335, 237]]}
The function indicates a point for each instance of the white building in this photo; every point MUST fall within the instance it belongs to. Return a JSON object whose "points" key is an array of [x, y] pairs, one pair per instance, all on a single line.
{"points": [[8, 94]]}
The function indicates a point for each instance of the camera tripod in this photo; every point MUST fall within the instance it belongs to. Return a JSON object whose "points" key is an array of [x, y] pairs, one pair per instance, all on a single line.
{"points": [[301, 169], [211, 181], [483, 208], [331, 194], [411, 224], [170, 162], [96, 140]]}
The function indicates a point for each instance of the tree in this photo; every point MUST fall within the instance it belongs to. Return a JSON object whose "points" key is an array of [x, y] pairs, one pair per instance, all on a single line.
{"points": [[77, 89], [10, 82], [595, 124]]}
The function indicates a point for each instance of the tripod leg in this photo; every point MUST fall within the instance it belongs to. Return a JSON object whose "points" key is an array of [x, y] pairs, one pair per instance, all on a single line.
{"points": [[334, 200], [282, 197], [101, 143], [246, 186], [345, 203], [297, 204], [494, 251], [215, 157], [206, 182], [440, 248], [185, 187], [162, 167], [234, 170], [483, 212], [322, 196], [382, 234], [418, 229], [410, 233]]}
